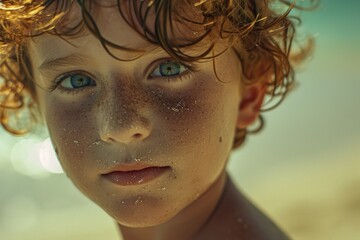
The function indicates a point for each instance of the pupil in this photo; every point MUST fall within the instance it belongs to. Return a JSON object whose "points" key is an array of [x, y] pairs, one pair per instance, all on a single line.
{"points": [[79, 81], [170, 69]]}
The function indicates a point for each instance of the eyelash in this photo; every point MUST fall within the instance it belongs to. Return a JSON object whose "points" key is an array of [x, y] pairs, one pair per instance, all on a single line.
{"points": [[189, 69]]}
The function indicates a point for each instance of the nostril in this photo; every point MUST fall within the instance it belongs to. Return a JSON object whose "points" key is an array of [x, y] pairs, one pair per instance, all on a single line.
{"points": [[137, 135]]}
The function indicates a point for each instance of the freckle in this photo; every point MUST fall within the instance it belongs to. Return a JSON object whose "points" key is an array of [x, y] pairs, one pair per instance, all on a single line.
{"points": [[97, 143], [138, 200], [220, 139]]}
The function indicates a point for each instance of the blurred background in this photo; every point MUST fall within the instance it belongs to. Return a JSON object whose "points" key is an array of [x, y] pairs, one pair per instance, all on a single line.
{"points": [[303, 170]]}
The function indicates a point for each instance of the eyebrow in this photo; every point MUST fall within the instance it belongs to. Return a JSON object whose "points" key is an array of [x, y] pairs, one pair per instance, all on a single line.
{"points": [[66, 61], [72, 59]]}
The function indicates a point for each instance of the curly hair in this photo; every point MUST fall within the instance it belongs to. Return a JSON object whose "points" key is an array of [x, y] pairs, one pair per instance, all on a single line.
{"points": [[253, 29]]}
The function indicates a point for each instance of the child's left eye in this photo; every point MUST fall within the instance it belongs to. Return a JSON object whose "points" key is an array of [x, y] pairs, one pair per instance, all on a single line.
{"points": [[168, 69]]}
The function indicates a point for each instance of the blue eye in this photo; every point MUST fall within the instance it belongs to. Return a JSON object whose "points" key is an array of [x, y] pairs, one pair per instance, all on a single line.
{"points": [[77, 80], [169, 69]]}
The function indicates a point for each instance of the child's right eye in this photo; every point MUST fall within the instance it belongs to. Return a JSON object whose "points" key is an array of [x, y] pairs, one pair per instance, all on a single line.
{"points": [[76, 81]]}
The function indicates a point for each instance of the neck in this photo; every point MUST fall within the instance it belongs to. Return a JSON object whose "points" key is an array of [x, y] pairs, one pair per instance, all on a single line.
{"points": [[188, 223]]}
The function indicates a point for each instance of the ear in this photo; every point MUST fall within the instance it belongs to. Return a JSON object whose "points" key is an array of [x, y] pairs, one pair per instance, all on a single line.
{"points": [[249, 107]]}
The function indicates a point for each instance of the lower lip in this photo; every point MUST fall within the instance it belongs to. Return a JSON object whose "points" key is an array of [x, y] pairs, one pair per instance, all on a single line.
{"points": [[126, 178]]}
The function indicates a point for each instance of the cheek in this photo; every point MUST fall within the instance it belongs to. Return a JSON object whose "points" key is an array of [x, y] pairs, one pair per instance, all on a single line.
{"points": [[71, 128], [200, 127]]}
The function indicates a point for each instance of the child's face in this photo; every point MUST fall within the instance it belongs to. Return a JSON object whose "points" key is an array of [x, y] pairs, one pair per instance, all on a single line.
{"points": [[125, 114]]}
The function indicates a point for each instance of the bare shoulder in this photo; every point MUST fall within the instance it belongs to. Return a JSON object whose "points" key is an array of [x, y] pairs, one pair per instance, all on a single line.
{"points": [[237, 218]]}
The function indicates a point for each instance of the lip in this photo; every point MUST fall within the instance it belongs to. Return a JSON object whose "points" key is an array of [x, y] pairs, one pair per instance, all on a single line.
{"points": [[135, 174]]}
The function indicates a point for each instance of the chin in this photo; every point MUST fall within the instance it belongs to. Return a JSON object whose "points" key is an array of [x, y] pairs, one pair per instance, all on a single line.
{"points": [[143, 219], [142, 213]]}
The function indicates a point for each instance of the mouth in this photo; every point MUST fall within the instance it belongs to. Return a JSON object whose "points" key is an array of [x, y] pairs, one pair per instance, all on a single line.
{"points": [[135, 174]]}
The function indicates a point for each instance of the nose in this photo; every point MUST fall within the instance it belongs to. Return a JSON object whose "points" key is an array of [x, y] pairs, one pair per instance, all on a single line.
{"points": [[117, 130], [123, 123]]}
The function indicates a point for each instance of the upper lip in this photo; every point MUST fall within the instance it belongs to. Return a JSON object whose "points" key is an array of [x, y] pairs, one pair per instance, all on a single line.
{"points": [[130, 167]]}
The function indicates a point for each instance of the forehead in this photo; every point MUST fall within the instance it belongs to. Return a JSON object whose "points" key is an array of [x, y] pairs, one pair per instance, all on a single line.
{"points": [[132, 25], [179, 21]]}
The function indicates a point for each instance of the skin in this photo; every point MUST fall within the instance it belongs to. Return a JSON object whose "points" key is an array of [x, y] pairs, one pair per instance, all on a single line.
{"points": [[131, 117]]}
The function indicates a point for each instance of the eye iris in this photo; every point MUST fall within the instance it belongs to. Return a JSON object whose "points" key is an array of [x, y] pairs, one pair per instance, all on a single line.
{"points": [[170, 69], [78, 81]]}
